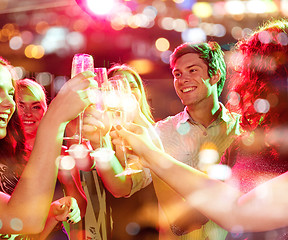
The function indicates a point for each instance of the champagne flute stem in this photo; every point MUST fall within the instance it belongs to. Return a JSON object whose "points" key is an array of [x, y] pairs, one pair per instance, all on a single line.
{"points": [[100, 139], [124, 155], [80, 126]]}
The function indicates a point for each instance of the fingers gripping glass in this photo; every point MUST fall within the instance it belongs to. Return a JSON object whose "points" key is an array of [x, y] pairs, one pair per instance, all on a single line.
{"points": [[102, 153], [117, 98], [81, 63]]}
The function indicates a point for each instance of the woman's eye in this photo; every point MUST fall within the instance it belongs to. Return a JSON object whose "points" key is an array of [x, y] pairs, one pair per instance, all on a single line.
{"points": [[192, 70], [177, 75]]}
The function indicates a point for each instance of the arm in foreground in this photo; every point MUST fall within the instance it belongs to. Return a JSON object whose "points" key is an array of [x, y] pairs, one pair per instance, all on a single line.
{"points": [[30, 202], [219, 202]]}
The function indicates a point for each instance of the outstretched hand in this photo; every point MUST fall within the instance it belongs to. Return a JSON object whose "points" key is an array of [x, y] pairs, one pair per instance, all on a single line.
{"points": [[96, 124], [73, 97], [65, 209], [137, 137]]}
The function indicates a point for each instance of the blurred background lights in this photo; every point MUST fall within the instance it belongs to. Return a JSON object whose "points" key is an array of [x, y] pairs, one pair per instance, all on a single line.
{"points": [[20, 72], [185, 4], [256, 6], [16, 43], [282, 38], [220, 172], [34, 51], [66, 163], [55, 39], [233, 98], [143, 66], [236, 32], [27, 37], [58, 82], [44, 78], [211, 29], [78, 151], [272, 98], [235, 7], [183, 128], [162, 44], [194, 35], [202, 9], [150, 12], [179, 25], [167, 23], [265, 37], [100, 7], [76, 40], [165, 56], [16, 224], [261, 105], [246, 32], [248, 140], [132, 228], [208, 156], [41, 27]]}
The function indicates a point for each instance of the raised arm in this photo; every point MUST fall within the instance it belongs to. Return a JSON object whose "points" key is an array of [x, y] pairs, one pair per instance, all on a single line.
{"points": [[215, 199], [29, 204]]}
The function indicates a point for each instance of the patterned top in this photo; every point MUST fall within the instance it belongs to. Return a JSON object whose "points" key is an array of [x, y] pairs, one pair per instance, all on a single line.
{"points": [[183, 138], [8, 178]]}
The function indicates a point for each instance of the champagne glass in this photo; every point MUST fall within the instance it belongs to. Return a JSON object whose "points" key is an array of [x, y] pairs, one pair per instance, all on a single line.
{"points": [[103, 153], [117, 101], [81, 62]]}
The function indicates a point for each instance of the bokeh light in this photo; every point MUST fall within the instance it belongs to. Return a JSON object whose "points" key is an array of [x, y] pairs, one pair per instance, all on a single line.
{"points": [[261, 105], [58, 82], [100, 7], [194, 35], [16, 43], [220, 172], [66, 162], [16, 224], [183, 128], [143, 66], [20, 72], [78, 151], [235, 7], [202, 9], [133, 228], [233, 98], [165, 56], [208, 155], [248, 139], [44, 78], [162, 44]]}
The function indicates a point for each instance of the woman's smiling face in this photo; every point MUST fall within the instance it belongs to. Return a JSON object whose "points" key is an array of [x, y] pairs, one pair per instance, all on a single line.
{"points": [[7, 104]]}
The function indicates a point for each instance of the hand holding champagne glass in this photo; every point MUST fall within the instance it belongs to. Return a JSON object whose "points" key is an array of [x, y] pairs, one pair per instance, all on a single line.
{"points": [[102, 153], [80, 63], [118, 103]]}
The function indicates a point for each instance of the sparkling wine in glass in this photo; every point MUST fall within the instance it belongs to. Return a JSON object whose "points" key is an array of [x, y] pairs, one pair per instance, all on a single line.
{"points": [[81, 62], [117, 101], [103, 153]]}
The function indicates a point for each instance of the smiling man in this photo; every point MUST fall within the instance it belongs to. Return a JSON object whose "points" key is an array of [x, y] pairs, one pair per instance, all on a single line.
{"points": [[199, 72]]}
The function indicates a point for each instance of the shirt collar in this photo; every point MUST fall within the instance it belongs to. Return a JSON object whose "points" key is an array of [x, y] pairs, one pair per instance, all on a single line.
{"points": [[224, 115]]}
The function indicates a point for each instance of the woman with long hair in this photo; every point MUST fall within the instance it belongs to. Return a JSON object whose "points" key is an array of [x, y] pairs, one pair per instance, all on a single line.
{"points": [[28, 207]]}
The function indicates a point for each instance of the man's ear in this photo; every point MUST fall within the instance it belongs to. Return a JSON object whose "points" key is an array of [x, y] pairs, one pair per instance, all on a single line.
{"points": [[216, 77]]}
